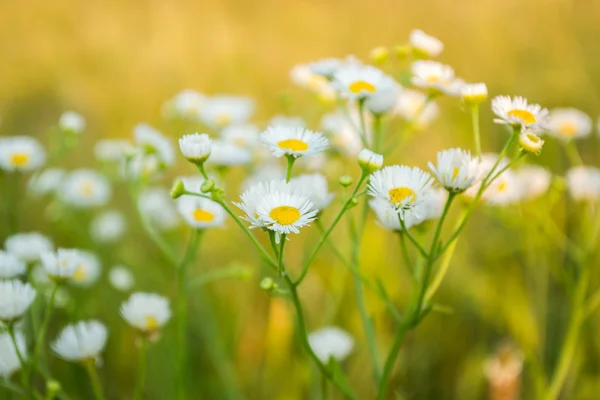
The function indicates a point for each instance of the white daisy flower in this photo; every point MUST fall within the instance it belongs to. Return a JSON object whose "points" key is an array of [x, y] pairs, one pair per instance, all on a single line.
{"points": [[154, 142], [140, 166], [9, 359], [313, 186], [387, 217], [456, 170], [21, 153], [385, 99], [264, 173], [10, 265], [302, 76], [121, 278], [200, 213], [487, 162], [583, 183], [569, 123], [294, 142], [405, 189], [111, 149], [505, 190], [331, 342], [474, 93], [220, 111], [46, 181], [71, 121], [147, 312], [287, 121], [285, 213], [15, 299], [195, 147], [251, 198], [342, 133], [246, 136], [436, 77], [82, 341], [517, 111], [157, 207], [28, 246], [326, 67], [358, 82], [88, 269], [425, 45], [186, 104], [535, 181], [224, 154], [411, 105], [530, 142], [85, 188], [61, 265], [108, 227]]}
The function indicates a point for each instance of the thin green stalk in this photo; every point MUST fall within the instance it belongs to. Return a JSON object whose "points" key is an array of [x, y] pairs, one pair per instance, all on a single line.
{"points": [[39, 341], [414, 241], [391, 361], [22, 362], [363, 126], [476, 135], [141, 379], [377, 133], [573, 154], [406, 256], [95, 379], [290, 166]]}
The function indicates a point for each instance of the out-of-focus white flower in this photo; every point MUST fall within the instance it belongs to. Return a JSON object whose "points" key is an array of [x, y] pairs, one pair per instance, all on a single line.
{"points": [[287, 121], [62, 264], [326, 67], [28, 246], [10, 265], [140, 166], [88, 269], [121, 278], [534, 180], [285, 213], [82, 341], [108, 227], [436, 77], [583, 183], [385, 99], [314, 186], [157, 207], [504, 190], [220, 111], [71, 121], [264, 173], [245, 136], [111, 149], [456, 170], [21, 153], [302, 76], [530, 142], [411, 105], [224, 154], [85, 188], [195, 147], [294, 142], [147, 312], [369, 160], [186, 104], [569, 123], [517, 111], [474, 93], [342, 133], [155, 143], [46, 181], [425, 45], [200, 213], [357, 82], [15, 299], [331, 342], [9, 359]]}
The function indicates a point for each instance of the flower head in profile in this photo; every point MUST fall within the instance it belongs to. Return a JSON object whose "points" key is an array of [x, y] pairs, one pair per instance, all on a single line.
{"points": [[72, 122], [186, 104], [220, 111], [195, 147], [518, 112], [9, 359], [108, 227], [424, 45], [326, 67], [456, 170], [21, 153], [436, 78], [82, 341], [28, 246], [331, 342], [568, 124], [10, 265], [583, 183], [361, 82], [294, 142], [474, 93], [153, 142], [121, 278], [370, 161], [15, 299], [147, 312], [61, 265], [85, 188], [315, 187]]}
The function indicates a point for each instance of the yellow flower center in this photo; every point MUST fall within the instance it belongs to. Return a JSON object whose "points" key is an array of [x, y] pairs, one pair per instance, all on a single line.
{"points": [[568, 128], [502, 187], [359, 86], [87, 189], [455, 173], [19, 159], [523, 115], [223, 119], [285, 215], [79, 274], [533, 138], [316, 82], [201, 215], [433, 79], [398, 195], [293, 145], [151, 323]]}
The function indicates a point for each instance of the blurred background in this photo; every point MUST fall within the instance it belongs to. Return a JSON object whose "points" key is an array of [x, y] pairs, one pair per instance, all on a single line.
{"points": [[116, 62]]}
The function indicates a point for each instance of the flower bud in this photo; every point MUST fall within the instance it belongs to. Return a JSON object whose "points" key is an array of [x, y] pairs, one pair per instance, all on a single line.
{"points": [[379, 55], [474, 93], [345, 180], [207, 186], [530, 142], [370, 161], [267, 284], [402, 51], [178, 189]]}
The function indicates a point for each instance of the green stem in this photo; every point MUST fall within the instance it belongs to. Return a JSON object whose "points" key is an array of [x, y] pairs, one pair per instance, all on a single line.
{"points": [[290, 166], [377, 133], [13, 338], [476, 135], [406, 256], [363, 126], [573, 154], [43, 328], [414, 241], [390, 361], [95, 379], [141, 380]]}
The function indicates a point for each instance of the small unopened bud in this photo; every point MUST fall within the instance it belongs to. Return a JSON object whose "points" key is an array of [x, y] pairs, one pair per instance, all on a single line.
{"points": [[370, 161], [379, 54], [178, 189], [53, 387], [267, 284], [353, 202], [474, 93], [402, 51], [207, 186], [530, 142], [345, 180]]}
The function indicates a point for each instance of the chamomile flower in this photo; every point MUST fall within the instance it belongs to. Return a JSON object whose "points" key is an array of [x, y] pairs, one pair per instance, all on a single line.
{"points": [[111, 149], [384, 100], [313, 186], [224, 154], [200, 213], [85, 188], [155, 143], [285, 213], [46, 181], [147, 312], [220, 111], [326, 67], [157, 207], [245, 136], [530, 142], [10, 265], [264, 173], [583, 183], [186, 104], [61, 265], [504, 190], [415, 107], [360, 82], [121, 278], [436, 77], [456, 170], [70, 121], [569, 123], [28, 246], [82, 341], [517, 111], [294, 142], [534, 180], [474, 93], [370, 161], [403, 188], [21, 153], [9, 359], [15, 299], [342, 133], [108, 227], [331, 342], [195, 147], [424, 45], [287, 121], [88, 269], [302, 76], [251, 198]]}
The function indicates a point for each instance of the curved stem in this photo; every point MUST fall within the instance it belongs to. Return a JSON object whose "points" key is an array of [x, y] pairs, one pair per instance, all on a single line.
{"points": [[39, 341], [141, 380], [412, 239], [95, 379]]}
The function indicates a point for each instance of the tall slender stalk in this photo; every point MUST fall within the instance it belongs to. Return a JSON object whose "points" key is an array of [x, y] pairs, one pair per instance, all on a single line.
{"points": [[141, 380], [39, 341], [90, 367]]}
